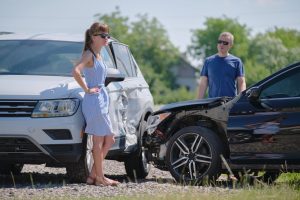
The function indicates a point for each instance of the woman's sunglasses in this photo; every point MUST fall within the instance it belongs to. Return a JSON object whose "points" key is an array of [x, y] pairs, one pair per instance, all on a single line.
{"points": [[104, 35]]}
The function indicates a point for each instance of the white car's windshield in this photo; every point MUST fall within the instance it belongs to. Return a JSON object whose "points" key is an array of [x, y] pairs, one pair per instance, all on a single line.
{"points": [[38, 57]]}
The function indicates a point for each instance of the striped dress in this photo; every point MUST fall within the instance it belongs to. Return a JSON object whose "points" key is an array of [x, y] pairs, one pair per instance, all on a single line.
{"points": [[95, 106]]}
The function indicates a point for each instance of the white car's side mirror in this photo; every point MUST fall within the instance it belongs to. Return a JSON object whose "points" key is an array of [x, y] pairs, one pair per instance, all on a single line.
{"points": [[113, 75]]}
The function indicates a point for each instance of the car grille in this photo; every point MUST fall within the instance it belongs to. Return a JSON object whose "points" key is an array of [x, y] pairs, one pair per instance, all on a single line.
{"points": [[17, 145], [16, 108]]}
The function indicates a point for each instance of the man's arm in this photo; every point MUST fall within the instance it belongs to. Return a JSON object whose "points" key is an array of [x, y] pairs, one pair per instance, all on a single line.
{"points": [[202, 87], [241, 82]]}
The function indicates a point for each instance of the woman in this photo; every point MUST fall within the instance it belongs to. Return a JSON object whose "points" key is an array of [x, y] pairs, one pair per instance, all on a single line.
{"points": [[96, 101]]}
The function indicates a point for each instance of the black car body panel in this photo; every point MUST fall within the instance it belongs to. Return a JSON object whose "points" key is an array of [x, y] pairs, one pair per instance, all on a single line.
{"points": [[259, 129], [267, 130]]}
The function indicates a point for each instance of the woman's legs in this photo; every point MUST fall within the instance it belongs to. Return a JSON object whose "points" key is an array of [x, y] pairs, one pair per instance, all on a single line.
{"points": [[108, 142], [98, 142], [101, 146]]}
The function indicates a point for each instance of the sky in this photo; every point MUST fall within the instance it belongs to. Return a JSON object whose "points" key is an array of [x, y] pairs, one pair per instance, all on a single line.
{"points": [[179, 17]]}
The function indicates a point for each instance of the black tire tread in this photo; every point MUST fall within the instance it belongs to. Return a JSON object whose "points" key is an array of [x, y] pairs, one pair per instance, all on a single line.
{"points": [[78, 172]]}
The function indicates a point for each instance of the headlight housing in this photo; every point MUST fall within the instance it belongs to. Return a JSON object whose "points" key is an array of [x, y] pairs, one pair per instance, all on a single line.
{"points": [[55, 108], [155, 120]]}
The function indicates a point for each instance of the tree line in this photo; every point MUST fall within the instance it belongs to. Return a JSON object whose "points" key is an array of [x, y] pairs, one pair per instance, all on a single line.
{"points": [[262, 54]]}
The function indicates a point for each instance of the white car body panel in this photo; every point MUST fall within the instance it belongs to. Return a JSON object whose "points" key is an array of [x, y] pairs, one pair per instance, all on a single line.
{"points": [[129, 100]]}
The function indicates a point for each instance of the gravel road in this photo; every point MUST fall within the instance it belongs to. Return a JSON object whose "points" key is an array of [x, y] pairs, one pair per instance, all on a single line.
{"points": [[40, 182]]}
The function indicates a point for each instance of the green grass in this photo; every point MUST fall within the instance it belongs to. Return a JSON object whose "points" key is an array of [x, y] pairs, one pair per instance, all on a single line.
{"points": [[282, 192], [287, 187], [289, 178], [292, 179]]}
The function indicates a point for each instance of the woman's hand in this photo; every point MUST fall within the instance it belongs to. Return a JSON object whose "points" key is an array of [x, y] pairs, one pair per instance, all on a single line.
{"points": [[93, 90]]}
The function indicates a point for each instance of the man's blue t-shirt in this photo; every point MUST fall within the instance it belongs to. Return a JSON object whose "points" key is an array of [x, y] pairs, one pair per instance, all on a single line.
{"points": [[222, 73]]}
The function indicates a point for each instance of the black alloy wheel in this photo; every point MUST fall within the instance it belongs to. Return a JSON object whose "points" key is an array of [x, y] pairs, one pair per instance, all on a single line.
{"points": [[193, 155]]}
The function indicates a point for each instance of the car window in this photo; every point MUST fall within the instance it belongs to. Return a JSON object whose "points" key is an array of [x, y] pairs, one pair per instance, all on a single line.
{"points": [[123, 59], [284, 86], [39, 57], [134, 65], [105, 54]]}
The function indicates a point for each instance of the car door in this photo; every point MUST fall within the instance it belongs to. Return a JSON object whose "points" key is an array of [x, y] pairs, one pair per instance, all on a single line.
{"points": [[269, 127], [116, 107], [132, 95]]}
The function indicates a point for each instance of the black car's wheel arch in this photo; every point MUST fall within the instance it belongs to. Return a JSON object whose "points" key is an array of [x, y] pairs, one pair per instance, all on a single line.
{"points": [[196, 120]]}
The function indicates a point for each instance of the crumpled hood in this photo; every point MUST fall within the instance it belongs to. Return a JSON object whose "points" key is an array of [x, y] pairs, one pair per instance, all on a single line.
{"points": [[36, 87], [193, 104]]}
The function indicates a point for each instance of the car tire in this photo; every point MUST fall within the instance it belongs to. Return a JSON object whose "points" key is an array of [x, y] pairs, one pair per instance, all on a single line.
{"points": [[193, 155], [137, 165], [78, 172], [7, 169]]}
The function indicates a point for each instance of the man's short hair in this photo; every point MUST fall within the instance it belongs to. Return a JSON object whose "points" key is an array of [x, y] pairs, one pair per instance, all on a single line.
{"points": [[227, 34]]}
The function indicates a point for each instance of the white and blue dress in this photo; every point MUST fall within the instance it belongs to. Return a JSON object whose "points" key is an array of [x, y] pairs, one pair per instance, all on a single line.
{"points": [[95, 106]]}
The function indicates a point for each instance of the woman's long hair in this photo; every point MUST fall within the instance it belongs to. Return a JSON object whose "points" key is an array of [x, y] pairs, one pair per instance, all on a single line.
{"points": [[96, 28]]}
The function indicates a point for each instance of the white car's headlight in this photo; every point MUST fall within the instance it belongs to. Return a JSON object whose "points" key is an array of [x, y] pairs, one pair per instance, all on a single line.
{"points": [[55, 108]]}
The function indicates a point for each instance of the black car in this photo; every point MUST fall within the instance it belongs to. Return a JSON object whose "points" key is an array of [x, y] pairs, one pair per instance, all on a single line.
{"points": [[258, 130]]}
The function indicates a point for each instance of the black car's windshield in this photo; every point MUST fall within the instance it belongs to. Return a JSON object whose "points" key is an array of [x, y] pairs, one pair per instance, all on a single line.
{"points": [[38, 57]]}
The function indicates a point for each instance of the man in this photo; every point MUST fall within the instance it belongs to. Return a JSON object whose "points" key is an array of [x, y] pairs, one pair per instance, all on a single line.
{"points": [[222, 73]]}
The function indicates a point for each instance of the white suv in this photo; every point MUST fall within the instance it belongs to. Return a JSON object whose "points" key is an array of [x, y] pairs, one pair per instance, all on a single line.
{"points": [[40, 105]]}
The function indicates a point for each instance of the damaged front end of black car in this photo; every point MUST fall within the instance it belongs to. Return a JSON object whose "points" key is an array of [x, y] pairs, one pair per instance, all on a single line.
{"points": [[187, 138]]}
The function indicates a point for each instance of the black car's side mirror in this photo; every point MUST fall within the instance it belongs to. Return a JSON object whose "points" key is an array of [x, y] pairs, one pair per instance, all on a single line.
{"points": [[113, 75], [253, 94]]}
